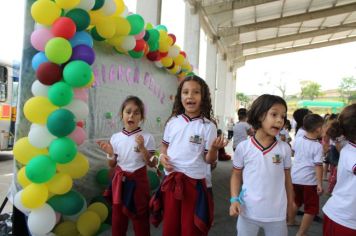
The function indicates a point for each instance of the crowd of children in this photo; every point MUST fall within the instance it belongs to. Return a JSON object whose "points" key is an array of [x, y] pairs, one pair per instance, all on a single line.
{"points": [[267, 187]]}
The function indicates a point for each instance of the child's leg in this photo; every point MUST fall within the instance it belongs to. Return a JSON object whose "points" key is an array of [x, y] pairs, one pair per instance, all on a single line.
{"points": [[306, 222], [311, 208], [119, 221], [141, 225], [298, 201], [246, 227], [278, 228], [171, 217]]}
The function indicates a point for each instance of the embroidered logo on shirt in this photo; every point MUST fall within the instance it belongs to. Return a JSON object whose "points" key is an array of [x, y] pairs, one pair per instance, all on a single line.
{"points": [[276, 159], [196, 139]]}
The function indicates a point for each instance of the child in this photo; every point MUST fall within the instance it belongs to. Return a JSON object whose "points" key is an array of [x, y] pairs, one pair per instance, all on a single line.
{"points": [[241, 129], [129, 151], [189, 143], [339, 210], [298, 116], [284, 133], [262, 164], [307, 172]]}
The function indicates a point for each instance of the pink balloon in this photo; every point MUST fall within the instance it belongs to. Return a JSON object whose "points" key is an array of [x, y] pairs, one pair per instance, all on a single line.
{"points": [[40, 37], [140, 35], [81, 94], [78, 135]]}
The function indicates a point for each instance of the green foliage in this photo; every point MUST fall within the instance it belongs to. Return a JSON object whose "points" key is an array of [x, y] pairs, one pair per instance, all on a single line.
{"points": [[311, 91], [347, 88], [242, 97]]}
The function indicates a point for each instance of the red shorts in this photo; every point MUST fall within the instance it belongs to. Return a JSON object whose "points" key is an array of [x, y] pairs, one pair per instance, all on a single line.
{"points": [[307, 195], [331, 228]]}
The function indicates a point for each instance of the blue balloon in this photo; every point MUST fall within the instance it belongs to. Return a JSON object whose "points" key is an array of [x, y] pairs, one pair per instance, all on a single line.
{"points": [[38, 59], [81, 37]]}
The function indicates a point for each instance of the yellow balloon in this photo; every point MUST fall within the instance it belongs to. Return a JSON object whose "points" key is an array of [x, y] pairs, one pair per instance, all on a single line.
{"points": [[66, 228], [167, 61], [120, 7], [116, 41], [122, 26], [88, 223], [61, 183], [22, 178], [67, 4], [163, 46], [45, 12], [34, 195], [179, 60], [77, 168], [37, 109], [100, 209], [175, 69], [23, 151], [106, 27], [163, 35], [95, 17]]}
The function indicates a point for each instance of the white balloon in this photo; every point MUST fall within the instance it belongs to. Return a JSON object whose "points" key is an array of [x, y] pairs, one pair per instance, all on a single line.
{"points": [[39, 89], [39, 26], [109, 7], [79, 108], [86, 4], [39, 136], [158, 64], [41, 220], [128, 43], [173, 51], [18, 204]]}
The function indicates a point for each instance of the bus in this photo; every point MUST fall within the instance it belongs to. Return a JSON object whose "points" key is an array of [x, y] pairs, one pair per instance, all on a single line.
{"points": [[9, 82]]}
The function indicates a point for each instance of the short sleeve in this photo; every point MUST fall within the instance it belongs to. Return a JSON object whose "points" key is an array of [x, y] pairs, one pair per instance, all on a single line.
{"points": [[150, 144], [166, 135], [349, 158], [238, 160], [287, 157], [210, 136], [318, 157]]}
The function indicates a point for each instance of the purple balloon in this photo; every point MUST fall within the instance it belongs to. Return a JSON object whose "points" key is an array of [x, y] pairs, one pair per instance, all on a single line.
{"points": [[84, 53]]}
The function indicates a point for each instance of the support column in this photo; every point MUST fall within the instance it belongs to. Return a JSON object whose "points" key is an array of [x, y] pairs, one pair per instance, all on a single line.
{"points": [[192, 35], [222, 70], [230, 95], [210, 70], [150, 10]]}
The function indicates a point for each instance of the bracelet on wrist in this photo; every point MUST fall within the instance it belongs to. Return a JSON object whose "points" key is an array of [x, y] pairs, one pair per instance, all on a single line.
{"points": [[234, 199], [111, 158]]}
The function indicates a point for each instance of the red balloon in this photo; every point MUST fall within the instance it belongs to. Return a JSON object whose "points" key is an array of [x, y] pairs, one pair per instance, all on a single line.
{"points": [[154, 56], [163, 54], [173, 38], [183, 54], [80, 124], [49, 73], [64, 27], [140, 45]]}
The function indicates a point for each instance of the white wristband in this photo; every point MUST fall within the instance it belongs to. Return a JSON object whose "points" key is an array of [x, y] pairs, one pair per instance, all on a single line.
{"points": [[111, 158]]}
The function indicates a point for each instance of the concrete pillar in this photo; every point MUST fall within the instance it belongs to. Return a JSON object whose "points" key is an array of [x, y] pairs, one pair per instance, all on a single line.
{"points": [[230, 94], [221, 78], [192, 35], [210, 70], [150, 10]]}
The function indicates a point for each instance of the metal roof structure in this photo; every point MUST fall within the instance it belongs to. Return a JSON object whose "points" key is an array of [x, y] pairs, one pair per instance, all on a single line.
{"points": [[250, 29]]}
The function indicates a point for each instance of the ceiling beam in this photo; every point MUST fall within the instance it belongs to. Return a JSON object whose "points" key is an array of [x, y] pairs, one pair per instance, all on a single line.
{"points": [[231, 5], [298, 49], [230, 30], [305, 35]]}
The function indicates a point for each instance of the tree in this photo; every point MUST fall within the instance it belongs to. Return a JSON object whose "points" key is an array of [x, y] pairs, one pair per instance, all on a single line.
{"points": [[347, 88], [242, 98], [311, 90]]}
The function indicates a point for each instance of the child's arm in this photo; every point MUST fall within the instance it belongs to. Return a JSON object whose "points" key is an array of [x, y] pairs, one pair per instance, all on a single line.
{"points": [[164, 159], [146, 154], [235, 186], [290, 195], [212, 154], [107, 148], [319, 176]]}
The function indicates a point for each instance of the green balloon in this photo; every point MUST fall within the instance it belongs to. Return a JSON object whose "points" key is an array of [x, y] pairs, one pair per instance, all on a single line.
{"points": [[94, 33], [154, 36], [137, 23], [153, 46], [60, 94], [161, 27], [153, 179], [58, 50], [40, 169], [61, 122], [77, 73], [98, 4], [135, 54], [69, 203], [80, 17], [62, 150], [102, 177]]}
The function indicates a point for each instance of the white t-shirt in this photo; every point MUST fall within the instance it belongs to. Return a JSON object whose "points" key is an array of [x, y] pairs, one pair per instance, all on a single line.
{"points": [[341, 206], [301, 132], [240, 132], [125, 146], [263, 179], [308, 153], [188, 140]]}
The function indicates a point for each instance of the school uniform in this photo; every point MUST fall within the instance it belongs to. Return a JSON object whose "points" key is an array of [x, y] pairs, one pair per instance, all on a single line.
{"points": [[130, 186], [265, 198], [339, 210], [184, 190]]}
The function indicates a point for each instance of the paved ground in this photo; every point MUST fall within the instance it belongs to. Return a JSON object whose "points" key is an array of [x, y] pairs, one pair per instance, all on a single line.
{"points": [[224, 224]]}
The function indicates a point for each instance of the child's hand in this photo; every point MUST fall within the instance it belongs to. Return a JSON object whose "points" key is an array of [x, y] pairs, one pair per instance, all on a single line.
{"points": [[165, 162], [140, 142], [319, 189], [106, 147], [219, 142], [235, 209]]}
